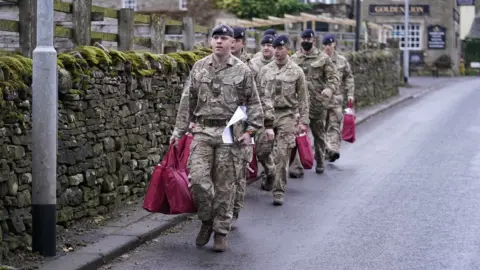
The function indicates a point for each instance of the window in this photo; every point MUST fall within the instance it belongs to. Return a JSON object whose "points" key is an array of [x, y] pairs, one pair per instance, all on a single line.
{"points": [[414, 36], [182, 4], [130, 4]]}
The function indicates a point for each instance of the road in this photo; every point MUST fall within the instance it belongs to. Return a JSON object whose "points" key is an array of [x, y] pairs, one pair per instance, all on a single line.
{"points": [[406, 195]]}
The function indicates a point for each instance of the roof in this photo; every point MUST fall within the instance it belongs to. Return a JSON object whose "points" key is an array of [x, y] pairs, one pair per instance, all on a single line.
{"points": [[475, 29]]}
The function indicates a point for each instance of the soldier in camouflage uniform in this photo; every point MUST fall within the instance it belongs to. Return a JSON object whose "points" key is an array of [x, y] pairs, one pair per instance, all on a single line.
{"points": [[285, 82], [335, 112], [269, 32], [216, 86], [322, 83], [238, 47], [264, 143], [240, 164]]}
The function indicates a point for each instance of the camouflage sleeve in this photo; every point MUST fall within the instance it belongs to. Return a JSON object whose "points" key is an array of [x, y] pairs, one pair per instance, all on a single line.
{"points": [[186, 107], [266, 101], [331, 75], [348, 80], [252, 102], [303, 98]]}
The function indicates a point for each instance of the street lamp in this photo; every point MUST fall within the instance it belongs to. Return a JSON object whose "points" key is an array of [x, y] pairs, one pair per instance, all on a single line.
{"points": [[406, 44], [44, 131], [357, 25]]}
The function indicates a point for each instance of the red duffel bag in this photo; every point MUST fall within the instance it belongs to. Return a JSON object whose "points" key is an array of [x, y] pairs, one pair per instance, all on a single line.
{"points": [[305, 151], [168, 191], [183, 147], [348, 131]]}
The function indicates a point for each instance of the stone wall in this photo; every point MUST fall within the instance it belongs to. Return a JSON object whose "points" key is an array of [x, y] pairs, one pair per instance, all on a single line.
{"points": [[116, 112], [377, 75]]}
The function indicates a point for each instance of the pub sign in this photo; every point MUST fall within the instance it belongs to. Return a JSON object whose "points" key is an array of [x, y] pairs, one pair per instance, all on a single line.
{"points": [[392, 10], [436, 37]]}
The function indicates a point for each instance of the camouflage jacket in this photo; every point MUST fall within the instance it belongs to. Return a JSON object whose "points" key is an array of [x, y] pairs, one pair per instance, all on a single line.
{"points": [[257, 63], [214, 92], [287, 88], [257, 54], [346, 84], [245, 57]]}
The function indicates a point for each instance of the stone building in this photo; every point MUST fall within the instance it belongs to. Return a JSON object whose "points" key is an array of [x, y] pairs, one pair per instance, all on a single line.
{"points": [[434, 28]]}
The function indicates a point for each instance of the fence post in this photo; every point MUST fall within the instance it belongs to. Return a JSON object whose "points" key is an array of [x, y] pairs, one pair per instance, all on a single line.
{"points": [[126, 28], [157, 29], [188, 33], [81, 21], [27, 26]]}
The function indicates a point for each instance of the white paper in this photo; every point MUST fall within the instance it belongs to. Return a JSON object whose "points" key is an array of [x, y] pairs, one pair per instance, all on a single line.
{"points": [[239, 115]]}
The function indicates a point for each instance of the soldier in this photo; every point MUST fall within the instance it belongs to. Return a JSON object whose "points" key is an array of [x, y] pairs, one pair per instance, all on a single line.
{"points": [[271, 32], [238, 48], [264, 143], [216, 86], [335, 112], [284, 81], [322, 81]]}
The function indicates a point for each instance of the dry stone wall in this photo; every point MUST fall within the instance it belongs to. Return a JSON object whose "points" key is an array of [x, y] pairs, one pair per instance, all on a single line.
{"points": [[116, 111]]}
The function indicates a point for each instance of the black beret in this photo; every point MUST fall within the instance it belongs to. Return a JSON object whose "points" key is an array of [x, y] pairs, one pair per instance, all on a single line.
{"points": [[271, 32], [328, 39], [267, 39], [308, 33], [280, 41], [239, 32], [223, 30]]}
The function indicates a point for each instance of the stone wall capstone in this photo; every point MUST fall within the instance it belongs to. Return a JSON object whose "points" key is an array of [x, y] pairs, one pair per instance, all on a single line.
{"points": [[116, 111]]}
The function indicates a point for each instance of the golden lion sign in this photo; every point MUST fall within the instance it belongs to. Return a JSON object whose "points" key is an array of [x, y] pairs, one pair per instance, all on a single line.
{"points": [[392, 10]]}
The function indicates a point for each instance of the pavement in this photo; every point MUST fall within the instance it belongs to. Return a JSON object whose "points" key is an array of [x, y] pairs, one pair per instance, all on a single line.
{"points": [[397, 198]]}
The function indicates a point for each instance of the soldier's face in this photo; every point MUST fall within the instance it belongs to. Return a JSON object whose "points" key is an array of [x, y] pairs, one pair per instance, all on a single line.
{"points": [[329, 48], [267, 50], [281, 52], [238, 45], [221, 45]]}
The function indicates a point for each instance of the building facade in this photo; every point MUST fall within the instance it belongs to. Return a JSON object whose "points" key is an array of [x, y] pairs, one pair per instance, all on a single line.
{"points": [[434, 28]]}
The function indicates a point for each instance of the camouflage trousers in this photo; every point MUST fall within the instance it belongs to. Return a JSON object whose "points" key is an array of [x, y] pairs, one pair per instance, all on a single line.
{"points": [[318, 127], [264, 150], [212, 179], [334, 129], [285, 128], [241, 162]]}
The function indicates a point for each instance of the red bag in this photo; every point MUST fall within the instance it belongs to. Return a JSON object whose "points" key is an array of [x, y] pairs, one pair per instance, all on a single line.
{"points": [[253, 166], [305, 151], [183, 148], [168, 191], [348, 132]]}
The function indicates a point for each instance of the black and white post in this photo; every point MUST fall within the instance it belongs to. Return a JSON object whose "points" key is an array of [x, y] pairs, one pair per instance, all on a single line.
{"points": [[44, 121], [357, 25], [406, 44]]}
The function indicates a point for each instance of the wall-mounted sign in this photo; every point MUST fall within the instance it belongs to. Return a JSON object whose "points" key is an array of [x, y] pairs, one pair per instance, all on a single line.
{"points": [[436, 37], [391, 10], [465, 2]]}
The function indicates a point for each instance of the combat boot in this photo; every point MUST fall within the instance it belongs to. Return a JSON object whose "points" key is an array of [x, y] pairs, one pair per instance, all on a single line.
{"points": [[220, 242], [203, 236], [267, 185], [334, 156], [319, 170], [278, 199]]}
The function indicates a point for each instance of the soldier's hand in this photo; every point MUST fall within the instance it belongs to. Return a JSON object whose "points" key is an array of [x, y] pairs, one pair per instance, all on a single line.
{"points": [[245, 139], [269, 134], [327, 92], [350, 99], [303, 128], [192, 125], [174, 140]]}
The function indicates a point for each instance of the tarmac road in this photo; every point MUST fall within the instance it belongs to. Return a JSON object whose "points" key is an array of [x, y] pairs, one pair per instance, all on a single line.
{"points": [[405, 195]]}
